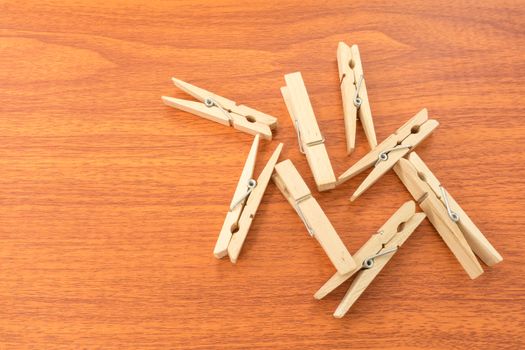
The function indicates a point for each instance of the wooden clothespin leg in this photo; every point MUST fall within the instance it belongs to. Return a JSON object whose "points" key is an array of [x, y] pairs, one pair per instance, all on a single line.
{"points": [[455, 227], [231, 223], [374, 255], [387, 153], [311, 141], [244, 205], [223, 111], [295, 190], [355, 96]]}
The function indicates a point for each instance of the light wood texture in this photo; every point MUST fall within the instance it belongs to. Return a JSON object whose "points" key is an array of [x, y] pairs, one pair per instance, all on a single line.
{"points": [[216, 115], [251, 206], [410, 142], [348, 90], [252, 115], [351, 76], [111, 202], [405, 139], [295, 190], [475, 238], [231, 222], [241, 117], [374, 245], [312, 141], [438, 216], [370, 159], [462, 237], [365, 276]]}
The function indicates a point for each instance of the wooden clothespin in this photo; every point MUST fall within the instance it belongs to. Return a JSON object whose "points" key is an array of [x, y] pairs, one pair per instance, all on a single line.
{"points": [[295, 190], [244, 204], [455, 227], [388, 152], [374, 255], [355, 96], [311, 141], [223, 111]]}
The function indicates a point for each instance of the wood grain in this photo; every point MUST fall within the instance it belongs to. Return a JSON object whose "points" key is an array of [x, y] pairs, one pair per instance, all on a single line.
{"points": [[111, 202]]}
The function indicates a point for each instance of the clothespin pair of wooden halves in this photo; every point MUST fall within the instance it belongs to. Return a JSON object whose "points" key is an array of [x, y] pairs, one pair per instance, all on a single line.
{"points": [[244, 205], [295, 190], [455, 227], [311, 141], [223, 111], [374, 255], [385, 155], [355, 96]]}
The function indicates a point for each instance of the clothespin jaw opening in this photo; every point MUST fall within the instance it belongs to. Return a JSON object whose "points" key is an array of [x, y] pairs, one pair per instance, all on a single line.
{"points": [[355, 96], [458, 231], [374, 255], [222, 110], [310, 139], [244, 204], [295, 190], [387, 153]]}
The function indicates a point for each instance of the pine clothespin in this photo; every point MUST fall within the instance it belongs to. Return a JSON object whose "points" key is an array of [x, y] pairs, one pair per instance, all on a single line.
{"points": [[244, 204], [355, 96], [455, 227], [374, 255], [311, 141], [295, 190], [223, 111], [387, 153]]}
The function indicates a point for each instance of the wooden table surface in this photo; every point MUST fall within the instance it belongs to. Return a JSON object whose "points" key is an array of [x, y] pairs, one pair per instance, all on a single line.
{"points": [[111, 202]]}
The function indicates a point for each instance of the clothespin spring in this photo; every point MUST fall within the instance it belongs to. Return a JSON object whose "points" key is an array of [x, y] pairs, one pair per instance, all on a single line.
{"points": [[300, 140], [210, 102], [383, 156], [453, 215], [369, 263], [301, 215], [357, 99], [251, 185]]}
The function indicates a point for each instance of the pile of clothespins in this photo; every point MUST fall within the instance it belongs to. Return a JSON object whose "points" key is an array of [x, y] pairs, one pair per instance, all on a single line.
{"points": [[460, 234]]}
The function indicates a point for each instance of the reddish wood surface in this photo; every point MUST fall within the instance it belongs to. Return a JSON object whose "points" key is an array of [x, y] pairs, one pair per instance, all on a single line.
{"points": [[111, 202]]}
